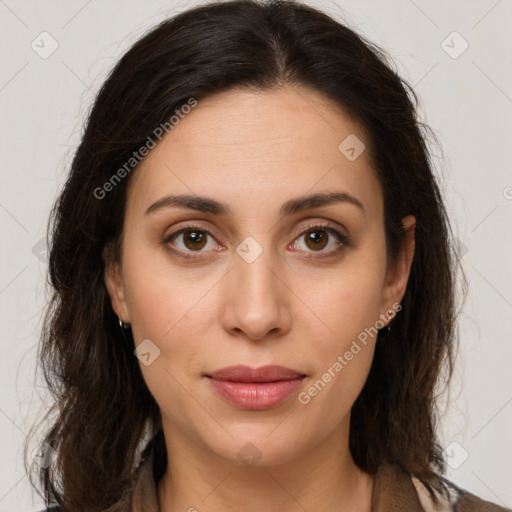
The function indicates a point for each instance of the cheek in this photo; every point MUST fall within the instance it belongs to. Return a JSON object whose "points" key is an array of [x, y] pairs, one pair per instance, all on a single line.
{"points": [[176, 311], [173, 313], [163, 298], [349, 310], [342, 364], [346, 304]]}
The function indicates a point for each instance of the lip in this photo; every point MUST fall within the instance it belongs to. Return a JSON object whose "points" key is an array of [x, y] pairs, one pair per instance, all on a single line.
{"points": [[259, 388]]}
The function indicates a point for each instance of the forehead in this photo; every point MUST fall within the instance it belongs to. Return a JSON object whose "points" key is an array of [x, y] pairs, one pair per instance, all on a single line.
{"points": [[245, 146]]}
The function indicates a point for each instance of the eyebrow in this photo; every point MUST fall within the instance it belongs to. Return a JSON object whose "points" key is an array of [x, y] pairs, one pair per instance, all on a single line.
{"points": [[209, 205]]}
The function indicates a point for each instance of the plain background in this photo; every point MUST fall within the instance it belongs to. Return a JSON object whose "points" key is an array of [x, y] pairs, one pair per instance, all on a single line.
{"points": [[466, 99]]}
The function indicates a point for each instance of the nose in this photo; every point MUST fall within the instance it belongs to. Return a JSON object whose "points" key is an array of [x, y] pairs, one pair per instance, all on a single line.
{"points": [[257, 298]]}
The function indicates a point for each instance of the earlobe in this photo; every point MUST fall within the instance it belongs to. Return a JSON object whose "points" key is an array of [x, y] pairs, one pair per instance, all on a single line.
{"points": [[115, 287], [398, 273]]}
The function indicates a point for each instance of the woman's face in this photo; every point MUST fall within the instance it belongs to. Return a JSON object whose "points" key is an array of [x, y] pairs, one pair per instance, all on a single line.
{"points": [[266, 278]]}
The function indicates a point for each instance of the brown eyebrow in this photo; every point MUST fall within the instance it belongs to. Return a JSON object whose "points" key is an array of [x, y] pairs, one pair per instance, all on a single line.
{"points": [[208, 205]]}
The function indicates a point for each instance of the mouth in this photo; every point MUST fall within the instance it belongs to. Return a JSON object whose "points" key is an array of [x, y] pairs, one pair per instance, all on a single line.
{"points": [[242, 373], [260, 388]]}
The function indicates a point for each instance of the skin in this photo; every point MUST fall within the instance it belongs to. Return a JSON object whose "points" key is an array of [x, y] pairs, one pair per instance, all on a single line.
{"points": [[254, 151]]}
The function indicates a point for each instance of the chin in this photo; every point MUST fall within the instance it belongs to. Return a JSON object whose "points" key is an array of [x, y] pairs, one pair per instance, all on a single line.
{"points": [[252, 446]]}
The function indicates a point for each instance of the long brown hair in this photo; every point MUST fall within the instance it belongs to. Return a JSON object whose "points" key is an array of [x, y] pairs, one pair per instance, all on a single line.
{"points": [[102, 412]]}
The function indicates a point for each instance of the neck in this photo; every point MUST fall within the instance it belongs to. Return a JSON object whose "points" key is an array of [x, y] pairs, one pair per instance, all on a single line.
{"points": [[323, 478]]}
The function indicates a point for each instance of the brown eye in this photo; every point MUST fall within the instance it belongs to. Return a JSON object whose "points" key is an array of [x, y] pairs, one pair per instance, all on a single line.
{"points": [[189, 240], [194, 239], [316, 240]]}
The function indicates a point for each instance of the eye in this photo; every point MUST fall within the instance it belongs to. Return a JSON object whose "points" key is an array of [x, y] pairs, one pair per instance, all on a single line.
{"points": [[317, 238], [193, 239]]}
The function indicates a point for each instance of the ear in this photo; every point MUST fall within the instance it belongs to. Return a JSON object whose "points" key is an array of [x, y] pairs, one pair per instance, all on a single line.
{"points": [[398, 271], [115, 286]]}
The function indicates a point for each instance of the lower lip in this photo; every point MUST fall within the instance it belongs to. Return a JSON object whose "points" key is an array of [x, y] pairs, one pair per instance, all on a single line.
{"points": [[257, 396]]}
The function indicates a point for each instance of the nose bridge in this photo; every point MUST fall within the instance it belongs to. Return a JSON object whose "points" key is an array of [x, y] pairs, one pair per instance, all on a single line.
{"points": [[253, 272], [256, 303]]}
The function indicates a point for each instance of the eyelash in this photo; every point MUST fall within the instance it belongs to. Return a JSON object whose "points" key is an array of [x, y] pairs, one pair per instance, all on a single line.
{"points": [[342, 239]]}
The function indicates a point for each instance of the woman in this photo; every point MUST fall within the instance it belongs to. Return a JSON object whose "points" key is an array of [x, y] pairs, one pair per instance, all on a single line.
{"points": [[254, 286]]}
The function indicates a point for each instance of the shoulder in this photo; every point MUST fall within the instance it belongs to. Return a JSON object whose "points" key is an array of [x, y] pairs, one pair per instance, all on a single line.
{"points": [[457, 500], [471, 503], [467, 502]]}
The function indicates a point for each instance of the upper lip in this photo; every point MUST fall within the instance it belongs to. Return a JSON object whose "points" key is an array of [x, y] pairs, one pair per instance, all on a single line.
{"points": [[242, 373]]}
